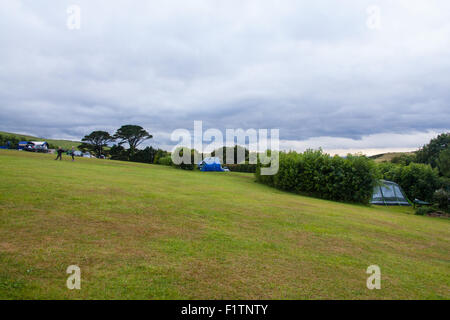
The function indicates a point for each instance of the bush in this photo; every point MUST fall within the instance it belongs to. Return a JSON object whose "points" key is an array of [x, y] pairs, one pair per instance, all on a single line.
{"points": [[190, 165], [314, 173], [419, 181], [441, 197], [166, 161], [422, 211], [244, 167], [118, 152], [404, 159], [145, 156], [11, 142], [430, 153]]}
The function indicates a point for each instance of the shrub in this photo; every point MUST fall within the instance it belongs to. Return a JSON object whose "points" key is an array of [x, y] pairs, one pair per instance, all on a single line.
{"points": [[244, 167], [404, 159], [429, 153], [441, 197], [419, 181], [118, 152], [166, 161], [314, 173], [422, 211], [190, 165], [11, 142], [146, 155]]}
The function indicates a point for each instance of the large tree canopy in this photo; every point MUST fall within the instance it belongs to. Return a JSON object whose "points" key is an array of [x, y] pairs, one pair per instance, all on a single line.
{"points": [[430, 152], [133, 135], [96, 141]]}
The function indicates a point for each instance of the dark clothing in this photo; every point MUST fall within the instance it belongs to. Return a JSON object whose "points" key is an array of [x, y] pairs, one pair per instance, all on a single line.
{"points": [[60, 152]]}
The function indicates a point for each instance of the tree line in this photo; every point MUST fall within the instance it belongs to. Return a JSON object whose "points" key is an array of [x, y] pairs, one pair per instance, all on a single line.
{"points": [[99, 143], [423, 175]]}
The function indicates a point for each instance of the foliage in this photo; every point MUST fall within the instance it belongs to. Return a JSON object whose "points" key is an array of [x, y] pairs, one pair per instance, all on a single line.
{"points": [[146, 155], [443, 162], [441, 198], [189, 164], [236, 153], [159, 155], [430, 153], [419, 181], [133, 135], [166, 161], [351, 179], [243, 167], [404, 159], [423, 211], [10, 141], [95, 142], [118, 152]]}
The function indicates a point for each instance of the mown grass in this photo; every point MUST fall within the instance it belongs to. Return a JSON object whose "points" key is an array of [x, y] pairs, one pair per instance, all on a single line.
{"points": [[142, 231]]}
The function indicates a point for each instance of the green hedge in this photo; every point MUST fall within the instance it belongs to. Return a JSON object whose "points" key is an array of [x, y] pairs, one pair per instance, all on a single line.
{"points": [[350, 179], [165, 161], [243, 167], [419, 181], [12, 140]]}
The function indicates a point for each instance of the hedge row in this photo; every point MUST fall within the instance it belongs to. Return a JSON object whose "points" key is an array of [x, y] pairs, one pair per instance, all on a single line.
{"points": [[419, 181], [349, 179], [243, 167]]}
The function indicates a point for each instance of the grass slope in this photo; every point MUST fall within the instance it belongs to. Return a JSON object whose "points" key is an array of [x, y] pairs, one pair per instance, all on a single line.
{"points": [[65, 144], [154, 232], [387, 157]]}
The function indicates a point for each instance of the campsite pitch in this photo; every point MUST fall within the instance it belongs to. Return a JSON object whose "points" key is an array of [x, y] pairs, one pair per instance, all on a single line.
{"points": [[142, 231]]}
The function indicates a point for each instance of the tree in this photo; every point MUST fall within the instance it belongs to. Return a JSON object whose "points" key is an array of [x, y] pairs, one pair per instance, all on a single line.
{"points": [[443, 162], [96, 141], [146, 155], [430, 152], [133, 135], [118, 153], [404, 159], [237, 153]]}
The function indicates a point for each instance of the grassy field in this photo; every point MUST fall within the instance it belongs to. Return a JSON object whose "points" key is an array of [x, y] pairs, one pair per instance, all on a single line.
{"points": [[387, 157], [142, 231], [65, 144]]}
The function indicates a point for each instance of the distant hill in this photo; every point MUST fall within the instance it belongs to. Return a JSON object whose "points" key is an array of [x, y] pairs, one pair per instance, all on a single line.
{"points": [[387, 157], [65, 144]]}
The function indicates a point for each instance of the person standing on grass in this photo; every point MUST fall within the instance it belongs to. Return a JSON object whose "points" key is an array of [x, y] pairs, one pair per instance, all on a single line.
{"points": [[72, 153], [60, 152]]}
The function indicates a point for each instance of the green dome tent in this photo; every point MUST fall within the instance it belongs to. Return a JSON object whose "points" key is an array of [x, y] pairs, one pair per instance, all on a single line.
{"points": [[390, 194]]}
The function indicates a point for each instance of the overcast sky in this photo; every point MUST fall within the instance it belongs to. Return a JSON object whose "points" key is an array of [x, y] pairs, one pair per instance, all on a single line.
{"points": [[325, 73]]}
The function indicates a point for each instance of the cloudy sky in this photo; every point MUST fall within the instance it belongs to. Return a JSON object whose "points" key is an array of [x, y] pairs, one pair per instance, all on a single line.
{"points": [[331, 74]]}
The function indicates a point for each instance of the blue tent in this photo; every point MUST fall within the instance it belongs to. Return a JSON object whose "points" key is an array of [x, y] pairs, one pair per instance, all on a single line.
{"points": [[23, 144], [210, 164]]}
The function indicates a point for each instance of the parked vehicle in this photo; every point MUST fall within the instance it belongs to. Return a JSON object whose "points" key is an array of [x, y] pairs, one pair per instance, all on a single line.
{"points": [[34, 146]]}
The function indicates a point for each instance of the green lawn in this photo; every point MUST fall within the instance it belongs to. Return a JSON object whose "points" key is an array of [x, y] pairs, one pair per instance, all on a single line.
{"points": [[142, 231]]}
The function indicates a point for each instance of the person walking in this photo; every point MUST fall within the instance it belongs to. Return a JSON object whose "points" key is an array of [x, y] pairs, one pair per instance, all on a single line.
{"points": [[72, 153], [59, 152]]}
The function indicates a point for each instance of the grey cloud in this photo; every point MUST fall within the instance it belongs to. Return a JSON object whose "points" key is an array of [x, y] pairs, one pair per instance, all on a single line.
{"points": [[309, 69]]}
